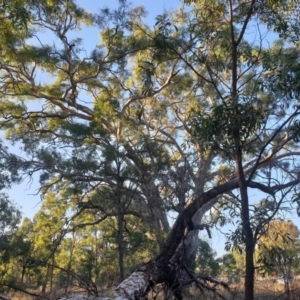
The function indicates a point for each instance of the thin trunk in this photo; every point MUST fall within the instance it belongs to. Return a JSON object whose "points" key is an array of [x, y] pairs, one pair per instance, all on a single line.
{"points": [[23, 272], [287, 290], [286, 271], [46, 280], [245, 215], [120, 240], [52, 271], [249, 278], [247, 231], [70, 264]]}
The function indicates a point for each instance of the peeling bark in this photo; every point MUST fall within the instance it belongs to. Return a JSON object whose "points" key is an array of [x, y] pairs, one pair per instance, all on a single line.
{"points": [[135, 286], [191, 241]]}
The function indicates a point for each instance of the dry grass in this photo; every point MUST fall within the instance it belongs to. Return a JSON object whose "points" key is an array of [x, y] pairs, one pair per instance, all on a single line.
{"points": [[19, 296], [265, 289]]}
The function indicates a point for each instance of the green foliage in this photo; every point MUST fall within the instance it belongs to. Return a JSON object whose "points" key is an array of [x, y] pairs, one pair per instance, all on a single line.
{"points": [[206, 261], [106, 106], [77, 129], [226, 126], [295, 131], [16, 11], [278, 248], [12, 246], [156, 155], [228, 265], [9, 215]]}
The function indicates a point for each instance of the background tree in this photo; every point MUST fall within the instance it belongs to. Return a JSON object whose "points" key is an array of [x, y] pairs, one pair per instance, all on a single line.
{"points": [[278, 248], [206, 259], [228, 266], [10, 217]]}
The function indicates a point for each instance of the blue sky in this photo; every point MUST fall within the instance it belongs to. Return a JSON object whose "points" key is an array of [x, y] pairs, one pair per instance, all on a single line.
{"points": [[154, 7]]}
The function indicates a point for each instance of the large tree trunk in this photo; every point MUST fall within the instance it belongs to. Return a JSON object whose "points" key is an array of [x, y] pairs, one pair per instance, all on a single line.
{"points": [[135, 286], [191, 241], [157, 212], [165, 267]]}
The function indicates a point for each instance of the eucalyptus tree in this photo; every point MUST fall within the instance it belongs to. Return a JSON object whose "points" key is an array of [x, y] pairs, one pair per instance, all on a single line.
{"points": [[47, 234], [277, 250], [12, 247], [179, 116], [206, 260], [10, 218]]}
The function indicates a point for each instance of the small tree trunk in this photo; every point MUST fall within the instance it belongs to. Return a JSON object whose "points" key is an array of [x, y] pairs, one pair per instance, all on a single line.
{"points": [[120, 240], [23, 272], [287, 289], [247, 231], [46, 280], [52, 273], [70, 264], [249, 278]]}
